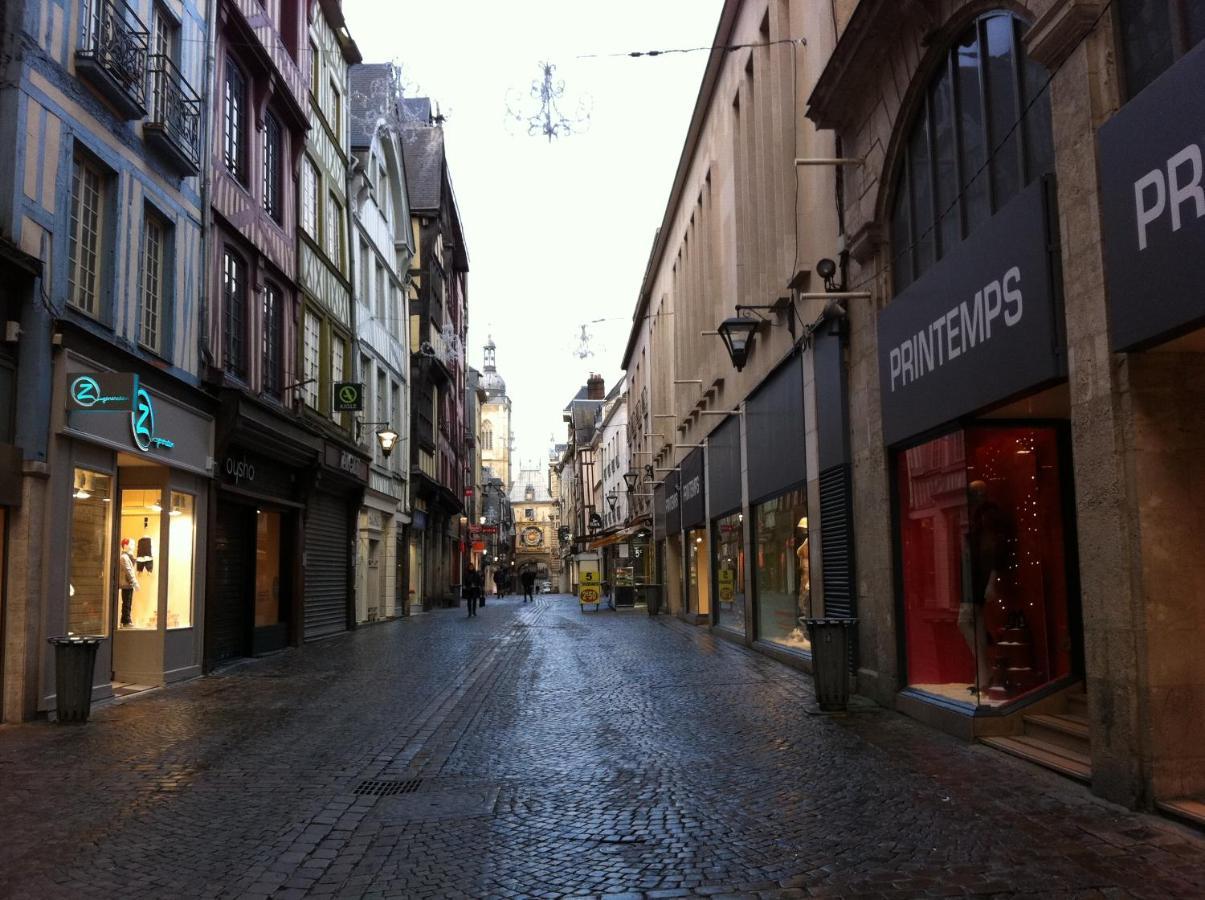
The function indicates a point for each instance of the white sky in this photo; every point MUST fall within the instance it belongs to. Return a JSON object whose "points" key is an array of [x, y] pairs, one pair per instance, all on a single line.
{"points": [[558, 234]]}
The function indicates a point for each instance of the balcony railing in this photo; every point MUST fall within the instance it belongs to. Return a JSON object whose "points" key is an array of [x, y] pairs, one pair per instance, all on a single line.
{"points": [[112, 55], [174, 123]]}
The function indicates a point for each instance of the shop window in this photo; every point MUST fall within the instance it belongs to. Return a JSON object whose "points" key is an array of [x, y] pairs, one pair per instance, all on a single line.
{"points": [[181, 542], [1154, 34], [983, 558], [729, 563], [138, 564], [267, 568], [783, 586], [88, 581], [967, 153]]}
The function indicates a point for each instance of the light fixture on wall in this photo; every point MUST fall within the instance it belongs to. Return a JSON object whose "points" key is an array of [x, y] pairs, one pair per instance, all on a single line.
{"points": [[631, 478], [613, 501], [737, 335], [386, 437]]}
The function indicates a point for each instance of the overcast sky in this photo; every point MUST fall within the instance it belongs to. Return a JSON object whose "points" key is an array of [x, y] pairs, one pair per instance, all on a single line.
{"points": [[558, 234]]}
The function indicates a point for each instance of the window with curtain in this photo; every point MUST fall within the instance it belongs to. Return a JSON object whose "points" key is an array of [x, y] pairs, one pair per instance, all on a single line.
{"points": [[980, 135], [311, 357], [338, 357], [272, 168], [84, 239], [309, 198], [234, 127], [234, 318], [334, 229], [1154, 34], [154, 272], [273, 301]]}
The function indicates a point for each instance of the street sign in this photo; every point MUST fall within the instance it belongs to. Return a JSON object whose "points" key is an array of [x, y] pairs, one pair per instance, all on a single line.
{"points": [[349, 396], [596, 522]]}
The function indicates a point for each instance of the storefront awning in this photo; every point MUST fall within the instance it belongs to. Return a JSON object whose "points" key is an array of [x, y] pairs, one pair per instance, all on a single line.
{"points": [[615, 538]]}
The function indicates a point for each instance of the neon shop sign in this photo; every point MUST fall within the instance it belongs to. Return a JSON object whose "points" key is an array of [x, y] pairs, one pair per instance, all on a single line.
{"points": [[142, 424]]}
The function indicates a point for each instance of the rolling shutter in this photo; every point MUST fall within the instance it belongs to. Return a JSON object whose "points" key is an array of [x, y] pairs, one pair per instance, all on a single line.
{"points": [[837, 550], [328, 556]]}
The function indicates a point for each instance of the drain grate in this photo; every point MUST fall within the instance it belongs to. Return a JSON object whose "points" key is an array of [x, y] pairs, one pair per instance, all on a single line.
{"points": [[386, 788]]}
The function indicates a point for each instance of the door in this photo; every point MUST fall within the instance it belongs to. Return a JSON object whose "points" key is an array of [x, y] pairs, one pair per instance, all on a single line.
{"points": [[228, 612]]}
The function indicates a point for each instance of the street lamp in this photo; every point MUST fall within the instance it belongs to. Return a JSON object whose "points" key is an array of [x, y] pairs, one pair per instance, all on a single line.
{"points": [[737, 334], [386, 437], [631, 478], [613, 501]]}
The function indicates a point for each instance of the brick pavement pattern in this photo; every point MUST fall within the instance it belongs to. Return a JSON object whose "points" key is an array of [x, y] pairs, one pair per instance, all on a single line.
{"points": [[538, 751]]}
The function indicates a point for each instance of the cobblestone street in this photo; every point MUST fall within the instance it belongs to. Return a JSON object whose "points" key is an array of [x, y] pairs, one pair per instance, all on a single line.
{"points": [[539, 751]]}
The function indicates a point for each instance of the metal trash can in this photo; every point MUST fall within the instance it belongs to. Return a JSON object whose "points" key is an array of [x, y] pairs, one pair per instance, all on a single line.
{"points": [[74, 664], [830, 661]]}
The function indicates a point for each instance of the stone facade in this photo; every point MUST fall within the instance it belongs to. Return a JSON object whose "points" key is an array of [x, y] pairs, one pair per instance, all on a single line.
{"points": [[1133, 450]]}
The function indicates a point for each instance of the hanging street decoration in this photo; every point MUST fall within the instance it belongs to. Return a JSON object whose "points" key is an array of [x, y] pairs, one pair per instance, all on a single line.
{"points": [[541, 111]]}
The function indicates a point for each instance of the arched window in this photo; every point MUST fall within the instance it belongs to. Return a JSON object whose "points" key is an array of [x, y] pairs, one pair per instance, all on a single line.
{"points": [[487, 436], [981, 134]]}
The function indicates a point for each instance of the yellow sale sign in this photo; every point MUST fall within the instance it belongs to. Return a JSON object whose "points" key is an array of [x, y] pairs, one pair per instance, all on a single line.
{"points": [[727, 585], [590, 576], [588, 595]]}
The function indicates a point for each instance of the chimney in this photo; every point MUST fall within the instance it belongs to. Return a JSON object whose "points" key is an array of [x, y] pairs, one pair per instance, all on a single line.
{"points": [[594, 388]]}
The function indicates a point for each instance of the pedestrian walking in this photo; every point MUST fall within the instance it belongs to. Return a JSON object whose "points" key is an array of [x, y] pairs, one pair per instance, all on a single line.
{"points": [[529, 581], [472, 589], [500, 582]]}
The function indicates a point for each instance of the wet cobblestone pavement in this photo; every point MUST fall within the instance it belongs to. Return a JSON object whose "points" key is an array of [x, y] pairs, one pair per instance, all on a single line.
{"points": [[538, 751]]}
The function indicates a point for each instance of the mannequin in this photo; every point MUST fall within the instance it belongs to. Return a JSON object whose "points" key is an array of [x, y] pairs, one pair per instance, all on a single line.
{"points": [[128, 582], [146, 562], [988, 538]]}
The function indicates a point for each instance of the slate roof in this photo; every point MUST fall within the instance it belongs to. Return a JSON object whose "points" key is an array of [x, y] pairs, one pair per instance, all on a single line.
{"points": [[423, 149], [369, 91], [417, 110]]}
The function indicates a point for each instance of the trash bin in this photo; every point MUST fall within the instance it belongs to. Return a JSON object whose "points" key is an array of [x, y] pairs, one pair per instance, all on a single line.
{"points": [[74, 663], [830, 661]]}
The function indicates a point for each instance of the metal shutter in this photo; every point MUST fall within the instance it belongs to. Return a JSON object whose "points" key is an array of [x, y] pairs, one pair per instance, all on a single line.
{"points": [[837, 550], [327, 555], [228, 609]]}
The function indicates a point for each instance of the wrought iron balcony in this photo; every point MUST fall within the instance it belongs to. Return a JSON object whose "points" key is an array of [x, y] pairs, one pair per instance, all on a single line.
{"points": [[174, 124], [112, 55]]}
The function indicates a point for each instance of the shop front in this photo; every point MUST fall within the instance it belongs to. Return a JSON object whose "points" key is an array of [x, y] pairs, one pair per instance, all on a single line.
{"points": [[415, 590], [778, 508], [971, 356], [696, 544], [674, 559], [131, 484], [255, 567], [377, 567], [727, 526], [331, 532], [1153, 214]]}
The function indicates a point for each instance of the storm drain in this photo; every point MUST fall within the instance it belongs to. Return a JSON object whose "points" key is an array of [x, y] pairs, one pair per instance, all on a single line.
{"points": [[386, 788]]}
